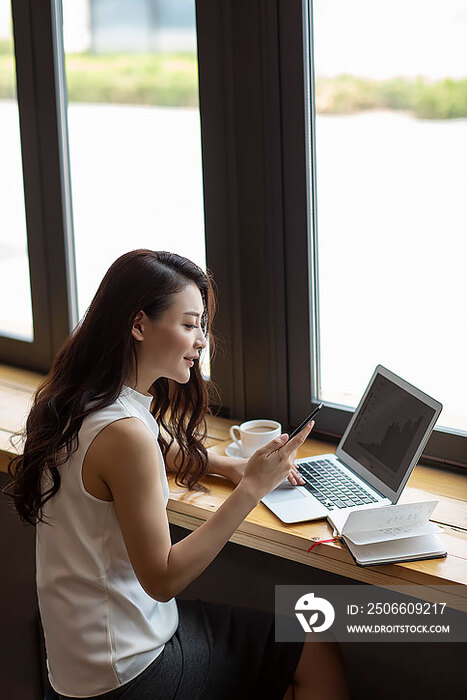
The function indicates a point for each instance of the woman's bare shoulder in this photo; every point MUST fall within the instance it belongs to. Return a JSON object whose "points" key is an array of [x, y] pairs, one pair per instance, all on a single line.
{"points": [[122, 442], [126, 434]]}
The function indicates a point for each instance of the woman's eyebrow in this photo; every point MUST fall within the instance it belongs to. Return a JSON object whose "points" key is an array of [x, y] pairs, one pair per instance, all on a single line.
{"points": [[191, 313]]}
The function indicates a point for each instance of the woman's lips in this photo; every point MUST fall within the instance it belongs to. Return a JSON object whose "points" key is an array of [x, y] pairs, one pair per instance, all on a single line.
{"points": [[190, 362]]}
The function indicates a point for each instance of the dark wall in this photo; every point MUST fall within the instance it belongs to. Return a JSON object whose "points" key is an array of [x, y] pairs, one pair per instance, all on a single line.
{"points": [[20, 638]]}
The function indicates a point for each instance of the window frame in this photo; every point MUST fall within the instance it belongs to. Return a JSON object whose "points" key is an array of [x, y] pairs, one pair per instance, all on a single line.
{"points": [[445, 448], [273, 370], [47, 195]]}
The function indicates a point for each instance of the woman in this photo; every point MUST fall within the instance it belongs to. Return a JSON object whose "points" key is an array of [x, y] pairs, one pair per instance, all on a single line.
{"points": [[92, 478]]}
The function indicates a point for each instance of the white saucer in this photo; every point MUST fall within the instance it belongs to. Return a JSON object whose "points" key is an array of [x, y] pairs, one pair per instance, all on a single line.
{"points": [[233, 450]]}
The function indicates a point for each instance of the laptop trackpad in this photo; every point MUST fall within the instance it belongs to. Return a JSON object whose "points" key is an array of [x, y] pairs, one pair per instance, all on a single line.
{"points": [[285, 492]]}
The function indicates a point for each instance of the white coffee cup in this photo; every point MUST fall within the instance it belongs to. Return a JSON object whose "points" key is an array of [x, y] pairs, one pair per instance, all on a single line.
{"points": [[254, 434]]}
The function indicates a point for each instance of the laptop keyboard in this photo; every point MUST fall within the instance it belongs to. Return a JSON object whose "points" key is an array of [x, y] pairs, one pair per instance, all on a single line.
{"points": [[331, 486]]}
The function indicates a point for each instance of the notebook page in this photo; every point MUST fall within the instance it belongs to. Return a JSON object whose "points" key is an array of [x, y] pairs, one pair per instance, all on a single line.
{"points": [[392, 533], [395, 550]]}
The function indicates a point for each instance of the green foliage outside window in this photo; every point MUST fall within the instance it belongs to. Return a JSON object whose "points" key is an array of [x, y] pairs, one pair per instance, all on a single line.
{"points": [[171, 79]]}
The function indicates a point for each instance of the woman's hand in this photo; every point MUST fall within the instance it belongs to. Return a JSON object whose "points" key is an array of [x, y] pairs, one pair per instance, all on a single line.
{"points": [[236, 470], [270, 465]]}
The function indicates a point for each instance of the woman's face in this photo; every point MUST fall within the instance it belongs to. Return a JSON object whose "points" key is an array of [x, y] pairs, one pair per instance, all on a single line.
{"points": [[166, 343]]}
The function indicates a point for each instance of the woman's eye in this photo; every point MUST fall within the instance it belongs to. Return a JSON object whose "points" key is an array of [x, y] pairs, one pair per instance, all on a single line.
{"points": [[190, 326]]}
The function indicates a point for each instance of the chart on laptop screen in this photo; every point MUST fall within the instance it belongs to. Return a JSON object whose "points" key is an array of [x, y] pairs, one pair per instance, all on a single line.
{"points": [[388, 430]]}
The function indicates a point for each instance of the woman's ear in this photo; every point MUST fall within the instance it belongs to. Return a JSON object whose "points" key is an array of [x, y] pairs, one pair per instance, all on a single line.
{"points": [[138, 326]]}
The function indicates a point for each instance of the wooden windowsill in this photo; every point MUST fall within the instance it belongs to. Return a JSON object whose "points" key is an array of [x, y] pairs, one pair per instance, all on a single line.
{"points": [[263, 531]]}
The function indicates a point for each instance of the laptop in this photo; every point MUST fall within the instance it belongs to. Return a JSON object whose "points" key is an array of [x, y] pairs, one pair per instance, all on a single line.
{"points": [[375, 457]]}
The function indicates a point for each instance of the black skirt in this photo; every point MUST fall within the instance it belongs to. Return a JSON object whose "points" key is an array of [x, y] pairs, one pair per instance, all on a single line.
{"points": [[218, 651]]}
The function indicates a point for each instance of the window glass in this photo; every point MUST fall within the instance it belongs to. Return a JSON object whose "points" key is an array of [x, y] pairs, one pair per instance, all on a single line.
{"points": [[15, 287], [134, 133], [391, 177]]}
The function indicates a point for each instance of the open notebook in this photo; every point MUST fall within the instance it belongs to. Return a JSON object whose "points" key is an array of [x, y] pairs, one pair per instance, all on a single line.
{"points": [[390, 534]]}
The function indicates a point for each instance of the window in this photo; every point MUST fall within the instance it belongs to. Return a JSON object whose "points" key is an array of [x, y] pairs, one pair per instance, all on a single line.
{"points": [[15, 318], [390, 147], [134, 133]]}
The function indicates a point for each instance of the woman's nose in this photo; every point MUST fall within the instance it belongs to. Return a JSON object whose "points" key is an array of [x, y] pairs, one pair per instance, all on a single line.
{"points": [[202, 342]]}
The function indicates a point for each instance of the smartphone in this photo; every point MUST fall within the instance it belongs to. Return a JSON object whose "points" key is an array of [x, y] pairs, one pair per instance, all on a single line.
{"points": [[307, 420]]}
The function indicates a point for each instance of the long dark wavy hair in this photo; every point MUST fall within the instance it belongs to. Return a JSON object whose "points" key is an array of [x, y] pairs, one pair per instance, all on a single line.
{"points": [[93, 364]]}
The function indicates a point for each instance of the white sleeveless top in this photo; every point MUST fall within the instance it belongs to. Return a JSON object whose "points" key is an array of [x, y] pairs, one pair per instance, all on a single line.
{"points": [[101, 628]]}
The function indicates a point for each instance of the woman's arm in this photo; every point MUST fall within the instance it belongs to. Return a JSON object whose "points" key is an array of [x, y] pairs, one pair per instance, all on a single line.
{"points": [[127, 455], [126, 452]]}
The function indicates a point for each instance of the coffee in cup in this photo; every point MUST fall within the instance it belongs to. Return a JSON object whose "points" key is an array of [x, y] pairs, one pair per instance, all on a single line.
{"points": [[253, 434]]}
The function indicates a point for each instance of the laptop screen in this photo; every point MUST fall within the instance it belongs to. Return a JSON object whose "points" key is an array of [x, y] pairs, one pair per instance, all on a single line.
{"points": [[387, 431]]}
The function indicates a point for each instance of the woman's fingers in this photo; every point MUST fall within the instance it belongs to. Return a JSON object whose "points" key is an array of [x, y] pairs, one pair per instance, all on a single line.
{"points": [[291, 448], [289, 451], [286, 446], [295, 477], [296, 441]]}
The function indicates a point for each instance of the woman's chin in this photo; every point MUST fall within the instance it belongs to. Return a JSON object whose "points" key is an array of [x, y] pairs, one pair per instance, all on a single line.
{"points": [[184, 378]]}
